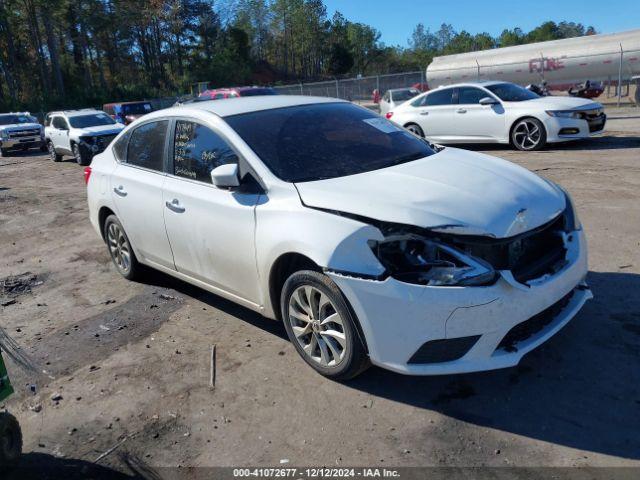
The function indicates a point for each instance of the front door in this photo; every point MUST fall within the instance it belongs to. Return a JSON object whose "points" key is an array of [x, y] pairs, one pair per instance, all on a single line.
{"points": [[475, 122], [211, 230], [435, 115]]}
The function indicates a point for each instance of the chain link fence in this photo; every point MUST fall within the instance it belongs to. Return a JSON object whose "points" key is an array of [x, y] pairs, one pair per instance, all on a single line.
{"points": [[354, 89]]}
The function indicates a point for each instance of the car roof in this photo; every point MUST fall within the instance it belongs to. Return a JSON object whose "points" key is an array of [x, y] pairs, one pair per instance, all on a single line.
{"points": [[479, 83], [234, 106]]}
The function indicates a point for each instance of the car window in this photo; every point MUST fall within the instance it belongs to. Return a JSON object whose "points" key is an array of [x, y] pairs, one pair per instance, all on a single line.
{"points": [[470, 95], [510, 92], [92, 120], [434, 98], [146, 146], [59, 123], [218, 96], [386, 97], [197, 150], [404, 95], [11, 119], [120, 147], [325, 140]]}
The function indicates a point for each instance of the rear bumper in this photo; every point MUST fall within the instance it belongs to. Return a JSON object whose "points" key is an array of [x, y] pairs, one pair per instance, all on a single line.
{"points": [[398, 318]]}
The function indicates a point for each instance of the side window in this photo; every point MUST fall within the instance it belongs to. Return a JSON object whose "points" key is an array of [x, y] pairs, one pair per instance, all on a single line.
{"points": [[197, 150], [218, 96], [120, 147], [439, 97], [59, 123], [387, 97], [146, 146], [470, 95]]}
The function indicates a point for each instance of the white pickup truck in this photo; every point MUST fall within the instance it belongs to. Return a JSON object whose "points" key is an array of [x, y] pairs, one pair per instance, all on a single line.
{"points": [[20, 131], [80, 133]]}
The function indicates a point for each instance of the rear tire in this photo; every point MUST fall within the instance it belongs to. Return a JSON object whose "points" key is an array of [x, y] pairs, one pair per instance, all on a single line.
{"points": [[321, 326], [120, 250], [415, 129], [10, 441], [52, 152]]}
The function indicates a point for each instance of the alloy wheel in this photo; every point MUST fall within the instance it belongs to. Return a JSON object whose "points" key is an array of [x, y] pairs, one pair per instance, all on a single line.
{"points": [[317, 326], [527, 135], [119, 247]]}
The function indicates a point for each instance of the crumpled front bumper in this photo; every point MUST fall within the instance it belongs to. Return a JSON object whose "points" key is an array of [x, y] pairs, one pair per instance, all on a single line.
{"points": [[398, 318]]}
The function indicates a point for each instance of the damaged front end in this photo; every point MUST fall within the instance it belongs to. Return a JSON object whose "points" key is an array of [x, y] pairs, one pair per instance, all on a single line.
{"points": [[434, 257]]}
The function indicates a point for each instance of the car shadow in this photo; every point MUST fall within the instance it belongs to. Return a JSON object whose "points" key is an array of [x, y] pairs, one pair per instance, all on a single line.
{"points": [[581, 389], [42, 466], [606, 142]]}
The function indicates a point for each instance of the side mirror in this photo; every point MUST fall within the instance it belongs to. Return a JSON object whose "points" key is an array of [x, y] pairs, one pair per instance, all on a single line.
{"points": [[488, 101], [225, 176]]}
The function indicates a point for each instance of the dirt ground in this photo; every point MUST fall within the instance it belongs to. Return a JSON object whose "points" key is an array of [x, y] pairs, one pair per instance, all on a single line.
{"points": [[128, 363]]}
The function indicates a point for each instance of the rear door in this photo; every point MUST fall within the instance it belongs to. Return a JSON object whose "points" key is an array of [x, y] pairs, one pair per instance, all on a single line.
{"points": [[435, 114], [136, 188], [475, 122], [211, 230]]}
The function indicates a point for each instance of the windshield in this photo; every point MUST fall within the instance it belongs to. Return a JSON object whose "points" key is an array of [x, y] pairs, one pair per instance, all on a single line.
{"points": [[510, 92], [136, 108], [94, 120], [326, 140], [252, 92], [13, 119], [404, 95]]}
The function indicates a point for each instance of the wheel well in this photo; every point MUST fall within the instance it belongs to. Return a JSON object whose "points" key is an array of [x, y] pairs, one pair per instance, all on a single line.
{"points": [[102, 217], [282, 269], [522, 118]]}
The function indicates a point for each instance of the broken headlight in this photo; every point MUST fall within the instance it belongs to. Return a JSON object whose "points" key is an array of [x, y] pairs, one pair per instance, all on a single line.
{"points": [[571, 220], [415, 259]]}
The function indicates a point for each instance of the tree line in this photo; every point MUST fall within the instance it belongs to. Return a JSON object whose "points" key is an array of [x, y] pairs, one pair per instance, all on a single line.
{"points": [[73, 53]]}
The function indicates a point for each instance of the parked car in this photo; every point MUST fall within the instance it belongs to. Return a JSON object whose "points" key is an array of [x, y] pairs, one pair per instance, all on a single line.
{"points": [[127, 112], [81, 133], [20, 131], [220, 93], [588, 89], [369, 244], [498, 112], [395, 97]]}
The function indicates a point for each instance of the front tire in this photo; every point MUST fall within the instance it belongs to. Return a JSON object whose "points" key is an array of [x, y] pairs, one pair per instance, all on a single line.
{"points": [[120, 250], [10, 441], [81, 158], [415, 129], [321, 326], [52, 152], [528, 134]]}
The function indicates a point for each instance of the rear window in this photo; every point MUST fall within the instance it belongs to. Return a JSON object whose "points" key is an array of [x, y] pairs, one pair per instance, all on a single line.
{"points": [[327, 140], [435, 98], [93, 120], [146, 146], [136, 108]]}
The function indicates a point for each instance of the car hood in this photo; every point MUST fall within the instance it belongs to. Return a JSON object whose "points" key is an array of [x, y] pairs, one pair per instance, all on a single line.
{"points": [[558, 103], [19, 126], [453, 191], [101, 130]]}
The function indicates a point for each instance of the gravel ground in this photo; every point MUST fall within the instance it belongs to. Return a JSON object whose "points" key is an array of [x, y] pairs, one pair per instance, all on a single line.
{"points": [[127, 364]]}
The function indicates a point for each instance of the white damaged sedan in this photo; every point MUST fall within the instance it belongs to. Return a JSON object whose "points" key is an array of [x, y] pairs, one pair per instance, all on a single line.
{"points": [[371, 245]]}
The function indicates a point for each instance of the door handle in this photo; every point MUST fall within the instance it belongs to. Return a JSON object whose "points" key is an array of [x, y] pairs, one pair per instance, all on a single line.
{"points": [[424, 113], [120, 191], [175, 206], [461, 110]]}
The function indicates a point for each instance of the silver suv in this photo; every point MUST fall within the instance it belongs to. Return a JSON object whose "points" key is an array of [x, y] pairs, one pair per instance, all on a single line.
{"points": [[80, 133], [20, 131]]}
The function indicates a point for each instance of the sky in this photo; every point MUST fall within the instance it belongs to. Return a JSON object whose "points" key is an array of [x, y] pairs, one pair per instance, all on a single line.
{"points": [[395, 19]]}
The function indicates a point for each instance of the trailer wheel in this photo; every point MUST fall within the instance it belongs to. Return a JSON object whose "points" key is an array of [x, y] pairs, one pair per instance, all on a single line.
{"points": [[10, 441]]}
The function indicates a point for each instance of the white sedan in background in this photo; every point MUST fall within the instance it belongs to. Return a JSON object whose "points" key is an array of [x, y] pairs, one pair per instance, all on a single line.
{"points": [[368, 243], [396, 97], [498, 112]]}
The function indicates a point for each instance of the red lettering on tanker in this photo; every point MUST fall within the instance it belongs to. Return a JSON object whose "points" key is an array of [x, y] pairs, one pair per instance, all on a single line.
{"points": [[545, 64]]}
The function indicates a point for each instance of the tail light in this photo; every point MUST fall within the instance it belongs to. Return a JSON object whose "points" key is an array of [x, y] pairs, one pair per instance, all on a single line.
{"points": [[87, 174], [389, 115]]}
